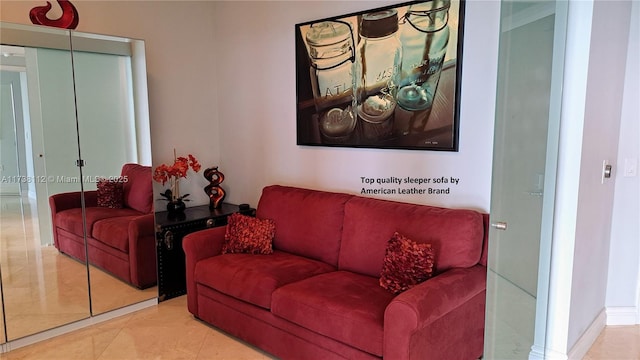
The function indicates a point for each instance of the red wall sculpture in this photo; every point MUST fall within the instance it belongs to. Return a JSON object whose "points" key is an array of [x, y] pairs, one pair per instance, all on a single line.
{"points": [[68, 20]]}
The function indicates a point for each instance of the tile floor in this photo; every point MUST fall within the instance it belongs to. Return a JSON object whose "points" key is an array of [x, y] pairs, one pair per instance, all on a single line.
{"points": [[616, 343], [168, 331], [42, 288]]}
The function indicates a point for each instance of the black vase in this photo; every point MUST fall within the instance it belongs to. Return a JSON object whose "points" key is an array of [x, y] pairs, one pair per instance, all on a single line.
{"points": [[176, 206]]}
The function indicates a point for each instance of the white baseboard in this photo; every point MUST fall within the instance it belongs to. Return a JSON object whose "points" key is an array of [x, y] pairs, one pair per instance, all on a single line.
{"points": [[579, 349], [537, 353], [622, 315], [619, 315], [582, 346], [554, 355], [540, 353]]}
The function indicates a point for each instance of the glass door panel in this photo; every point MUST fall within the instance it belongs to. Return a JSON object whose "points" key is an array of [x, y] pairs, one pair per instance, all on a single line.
{"points": [[525, 153]]}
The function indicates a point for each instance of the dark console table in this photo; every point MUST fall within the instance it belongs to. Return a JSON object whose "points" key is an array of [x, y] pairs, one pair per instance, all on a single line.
{"points": [[171, 228]]}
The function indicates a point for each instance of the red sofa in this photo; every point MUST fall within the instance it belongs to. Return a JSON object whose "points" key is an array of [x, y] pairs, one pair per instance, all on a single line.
{"points": [[119, 241], [318, 296]]}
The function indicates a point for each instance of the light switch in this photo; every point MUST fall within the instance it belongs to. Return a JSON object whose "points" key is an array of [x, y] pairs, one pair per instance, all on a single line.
{"points": [[630, 167]]}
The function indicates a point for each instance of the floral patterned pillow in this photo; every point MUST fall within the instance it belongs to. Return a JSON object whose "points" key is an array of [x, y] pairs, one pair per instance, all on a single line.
{"points": [[406, 264], [248, 235], [111, 193]]}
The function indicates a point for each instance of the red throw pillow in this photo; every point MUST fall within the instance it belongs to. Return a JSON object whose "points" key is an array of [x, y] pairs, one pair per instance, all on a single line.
{"points": [[249, 235], [406, 264], [111, 193]]}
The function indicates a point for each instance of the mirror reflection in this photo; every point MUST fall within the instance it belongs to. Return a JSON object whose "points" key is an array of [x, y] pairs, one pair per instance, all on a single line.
{"points": [[39, 290], [115, 149], [3, 338], [46, 280]]}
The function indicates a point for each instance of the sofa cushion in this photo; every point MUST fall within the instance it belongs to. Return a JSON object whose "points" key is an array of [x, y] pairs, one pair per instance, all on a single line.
{"points": [[138, 187], [113, 232], [455, 234], [71, 220], [406, 264], [308, 222], [110, 193], [253, 278], [344, 306], [247, 234]]}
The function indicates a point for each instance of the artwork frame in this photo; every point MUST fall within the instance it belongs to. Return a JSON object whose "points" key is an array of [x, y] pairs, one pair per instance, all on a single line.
{"points": [[387, 78]]}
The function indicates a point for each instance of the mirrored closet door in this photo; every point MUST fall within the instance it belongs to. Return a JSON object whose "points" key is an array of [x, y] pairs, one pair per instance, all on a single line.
{"points": [[113, 129], [73, 110], [38, 113]]}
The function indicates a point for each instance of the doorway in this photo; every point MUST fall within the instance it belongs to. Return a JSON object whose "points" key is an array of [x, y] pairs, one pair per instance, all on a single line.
{"points": [[530, 65], [13, 169]]}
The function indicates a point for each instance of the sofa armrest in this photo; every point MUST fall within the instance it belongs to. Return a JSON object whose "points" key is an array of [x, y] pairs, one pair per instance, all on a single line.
{"points": [[197, 246], [142, 251], [143, 225], [442, 318], [64, 201], [69, 200]]}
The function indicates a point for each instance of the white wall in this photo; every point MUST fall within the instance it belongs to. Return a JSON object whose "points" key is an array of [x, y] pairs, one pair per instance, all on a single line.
{"points": [[591, 117], [622, 291], [256, 78], [601, 133]]}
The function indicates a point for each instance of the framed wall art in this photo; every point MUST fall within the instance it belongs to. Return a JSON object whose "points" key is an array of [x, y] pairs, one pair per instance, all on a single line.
{"points": [[382, 78]]}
